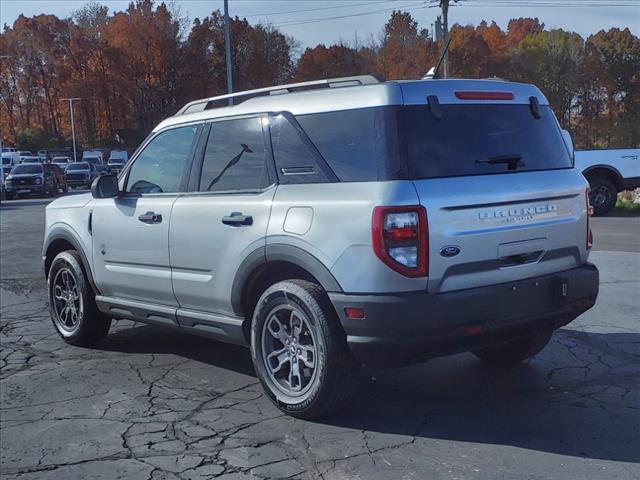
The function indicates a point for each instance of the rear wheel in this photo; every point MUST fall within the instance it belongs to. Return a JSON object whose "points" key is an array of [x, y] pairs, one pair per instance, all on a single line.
{"points": [[515, 351], [603, 195], [72, 302], [300, 352]]}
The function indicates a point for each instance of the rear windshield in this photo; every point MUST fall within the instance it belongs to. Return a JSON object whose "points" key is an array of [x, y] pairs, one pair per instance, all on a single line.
{"points": [[78, 166], [27, 168], [481, 139], [388, 143]]}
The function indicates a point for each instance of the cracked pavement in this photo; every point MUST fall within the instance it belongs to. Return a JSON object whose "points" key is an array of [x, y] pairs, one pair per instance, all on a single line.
{"points": [[153, 403]]}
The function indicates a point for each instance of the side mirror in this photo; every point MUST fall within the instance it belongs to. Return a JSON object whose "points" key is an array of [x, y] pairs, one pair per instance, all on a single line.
{"points": [[105, 186], [568, 141]]}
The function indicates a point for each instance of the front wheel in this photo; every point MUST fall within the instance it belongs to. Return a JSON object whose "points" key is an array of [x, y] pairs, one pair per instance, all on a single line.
{"points": [[300, 352], [516, 350], [72, 302]]}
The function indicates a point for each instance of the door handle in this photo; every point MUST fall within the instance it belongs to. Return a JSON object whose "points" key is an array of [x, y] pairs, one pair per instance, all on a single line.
{"points": [[150, 217], [237, 219]]}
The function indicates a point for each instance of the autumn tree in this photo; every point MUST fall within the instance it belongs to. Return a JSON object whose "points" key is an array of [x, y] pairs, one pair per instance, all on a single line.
{"points": [[405, 50]]}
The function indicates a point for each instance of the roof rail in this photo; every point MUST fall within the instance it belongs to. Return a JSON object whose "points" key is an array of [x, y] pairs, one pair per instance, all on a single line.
{"points": [[239, 97]]}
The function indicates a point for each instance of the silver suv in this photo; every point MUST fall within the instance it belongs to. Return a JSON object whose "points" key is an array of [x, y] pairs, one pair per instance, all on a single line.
{"points": [[336, 224]]}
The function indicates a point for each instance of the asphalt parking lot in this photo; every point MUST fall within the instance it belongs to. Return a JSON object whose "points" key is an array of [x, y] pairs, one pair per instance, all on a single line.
{"points": [[153, 403]]}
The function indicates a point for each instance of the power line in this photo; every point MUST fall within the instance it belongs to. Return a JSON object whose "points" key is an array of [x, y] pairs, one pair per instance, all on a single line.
{"points": [[543, 3], [333, 7], [291, 23]]}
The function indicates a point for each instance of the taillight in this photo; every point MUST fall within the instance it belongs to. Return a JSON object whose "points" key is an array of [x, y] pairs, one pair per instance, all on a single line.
{"points": [[484, 95], [589, 214], [400, 239]]}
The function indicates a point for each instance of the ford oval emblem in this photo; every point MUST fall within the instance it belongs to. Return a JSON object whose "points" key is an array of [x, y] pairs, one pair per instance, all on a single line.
{"points": [[449, 251]]}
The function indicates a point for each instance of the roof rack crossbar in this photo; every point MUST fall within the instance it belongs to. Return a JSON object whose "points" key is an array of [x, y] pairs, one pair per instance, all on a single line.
{"points": [[238, 97]]}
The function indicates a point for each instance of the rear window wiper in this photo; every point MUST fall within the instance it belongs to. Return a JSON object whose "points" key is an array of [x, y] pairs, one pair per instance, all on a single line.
{"points": [[513, 161]]}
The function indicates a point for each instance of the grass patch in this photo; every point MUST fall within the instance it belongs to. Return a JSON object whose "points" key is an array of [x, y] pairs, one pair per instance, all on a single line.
{"points": [[627, 205]]}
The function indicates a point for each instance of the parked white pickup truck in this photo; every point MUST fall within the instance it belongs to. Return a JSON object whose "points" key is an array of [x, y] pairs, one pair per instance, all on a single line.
{"points": [[609, 171]]}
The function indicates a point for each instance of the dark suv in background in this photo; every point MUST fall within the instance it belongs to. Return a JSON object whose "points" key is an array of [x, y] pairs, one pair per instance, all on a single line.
{"points": [[35, 178]]}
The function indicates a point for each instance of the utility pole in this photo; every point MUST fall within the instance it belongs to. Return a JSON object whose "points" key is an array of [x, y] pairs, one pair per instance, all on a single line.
{"points": [[445, 34], [227, 48], [73, 128]]}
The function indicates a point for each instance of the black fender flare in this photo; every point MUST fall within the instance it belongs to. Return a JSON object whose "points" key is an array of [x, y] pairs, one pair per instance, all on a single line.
{"points": [[61, 233], [610, 168], [279, 252]]}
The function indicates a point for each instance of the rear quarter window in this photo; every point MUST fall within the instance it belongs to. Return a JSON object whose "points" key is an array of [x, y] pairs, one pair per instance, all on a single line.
{"points": [[359, 145]]}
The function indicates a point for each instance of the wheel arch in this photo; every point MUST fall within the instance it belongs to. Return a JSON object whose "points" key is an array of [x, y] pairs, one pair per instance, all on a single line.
{"points": [[606, 171], [268, 265], [60, 240]]}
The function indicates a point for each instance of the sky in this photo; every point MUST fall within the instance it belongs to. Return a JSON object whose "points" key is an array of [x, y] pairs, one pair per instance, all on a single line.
{"points": [[292, 16]]}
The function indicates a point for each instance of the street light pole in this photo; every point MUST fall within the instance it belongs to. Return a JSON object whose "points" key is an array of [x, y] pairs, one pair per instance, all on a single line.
{"points": [[73, 128], [227, 49]]}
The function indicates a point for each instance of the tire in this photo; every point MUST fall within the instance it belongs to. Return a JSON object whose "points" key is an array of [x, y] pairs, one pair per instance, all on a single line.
{"points": [[515, 351], [87, 326], [603, 195], [327, 374]]}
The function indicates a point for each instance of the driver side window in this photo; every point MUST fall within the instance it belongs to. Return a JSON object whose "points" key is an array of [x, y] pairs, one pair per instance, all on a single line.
{"points": [[159, 167]]}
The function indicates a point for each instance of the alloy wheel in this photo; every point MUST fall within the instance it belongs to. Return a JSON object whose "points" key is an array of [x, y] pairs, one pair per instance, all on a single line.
{"points": [[67, 301], [289, 350]]}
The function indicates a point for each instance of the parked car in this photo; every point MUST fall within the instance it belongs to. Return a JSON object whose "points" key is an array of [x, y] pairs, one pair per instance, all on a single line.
{"points": [[609, 172], [93, 154], [4, 172], [117, 160], [8, 149], [31, 160], [326, 228], [62, 162], [79, 174], [30, 178], [45, 155], [10, 158]]}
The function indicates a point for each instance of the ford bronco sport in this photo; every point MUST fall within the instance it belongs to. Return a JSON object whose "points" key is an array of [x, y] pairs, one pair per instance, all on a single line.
{"points": [[334, 224]]}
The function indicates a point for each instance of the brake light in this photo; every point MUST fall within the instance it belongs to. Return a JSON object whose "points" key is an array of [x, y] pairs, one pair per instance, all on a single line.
{"points": [[589, 214], [400, 239], [484, 95]]}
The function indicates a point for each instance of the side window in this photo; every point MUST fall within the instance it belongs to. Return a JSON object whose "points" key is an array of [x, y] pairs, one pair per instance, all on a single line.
{"points": [[159, 167], [295, 163], [359, 145], [235, 157]]}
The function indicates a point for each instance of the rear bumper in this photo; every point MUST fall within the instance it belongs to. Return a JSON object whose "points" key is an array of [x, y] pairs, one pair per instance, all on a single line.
{"points": [[404, 328]]}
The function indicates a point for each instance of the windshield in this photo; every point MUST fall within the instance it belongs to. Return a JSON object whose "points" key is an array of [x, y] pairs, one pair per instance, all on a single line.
{"points": [[91, 159], [6, 161], [27, 168], [31, 160], [60, 160], [119, 161], [78, 166]]}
